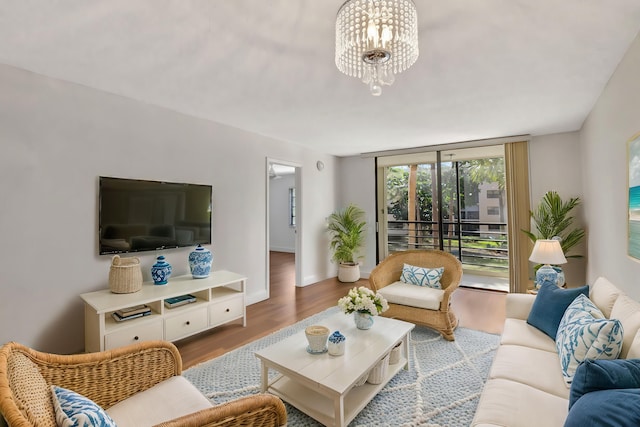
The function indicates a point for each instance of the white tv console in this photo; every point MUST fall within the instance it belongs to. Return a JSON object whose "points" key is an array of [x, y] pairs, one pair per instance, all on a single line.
{"points": [[220, 298]]}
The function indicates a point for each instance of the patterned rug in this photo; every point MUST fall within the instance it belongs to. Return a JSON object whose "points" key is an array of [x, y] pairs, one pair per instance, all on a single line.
{"points": [[441, 389]]}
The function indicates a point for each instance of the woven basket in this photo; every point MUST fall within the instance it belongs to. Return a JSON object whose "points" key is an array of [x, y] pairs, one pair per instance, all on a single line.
{"points": [[125, 276], [379, 372], [394, 356]]}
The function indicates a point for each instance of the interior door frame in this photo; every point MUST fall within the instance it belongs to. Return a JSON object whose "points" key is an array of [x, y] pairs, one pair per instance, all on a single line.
{"points": [[299, 220]]}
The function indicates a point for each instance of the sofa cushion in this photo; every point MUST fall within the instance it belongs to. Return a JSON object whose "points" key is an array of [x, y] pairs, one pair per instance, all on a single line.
{"points": [[627, 311], [537, 368], [413, 296], [603, 293], [550, 305], [165, 401], [519, 332], [422, 276], [584, 333], [513, 404], [611, 408], [73, 410], [603, 375]]}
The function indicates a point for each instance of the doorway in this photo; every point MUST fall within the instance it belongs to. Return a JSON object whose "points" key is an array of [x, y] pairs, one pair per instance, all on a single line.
{"points": [[283, 222]]}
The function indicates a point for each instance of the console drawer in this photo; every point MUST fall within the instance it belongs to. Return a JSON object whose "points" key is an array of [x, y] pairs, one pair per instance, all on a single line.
{"points": [[223, 311], [149, 330], [184, 324]]}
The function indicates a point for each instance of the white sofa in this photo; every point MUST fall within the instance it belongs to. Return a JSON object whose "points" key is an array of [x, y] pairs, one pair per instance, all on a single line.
{"points": [[525, 385]]}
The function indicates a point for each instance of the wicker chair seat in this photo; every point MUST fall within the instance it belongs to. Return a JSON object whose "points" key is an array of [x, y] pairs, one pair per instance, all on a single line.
{"points": [[412, 295], [388, 272]]}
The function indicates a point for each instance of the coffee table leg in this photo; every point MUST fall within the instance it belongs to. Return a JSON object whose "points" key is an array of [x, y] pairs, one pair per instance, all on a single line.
{"points": [[407, 350], [338, 407], [264, 377]]}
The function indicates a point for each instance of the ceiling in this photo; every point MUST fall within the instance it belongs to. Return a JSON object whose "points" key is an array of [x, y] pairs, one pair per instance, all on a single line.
{"points": [[486, 69]]}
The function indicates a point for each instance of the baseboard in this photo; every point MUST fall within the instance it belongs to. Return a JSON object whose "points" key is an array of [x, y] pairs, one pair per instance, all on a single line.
{"points": [[282, 249], [257, 297]]}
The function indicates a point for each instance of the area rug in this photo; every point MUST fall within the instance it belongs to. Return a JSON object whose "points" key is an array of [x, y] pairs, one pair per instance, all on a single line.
{"points": [[441, 389]]}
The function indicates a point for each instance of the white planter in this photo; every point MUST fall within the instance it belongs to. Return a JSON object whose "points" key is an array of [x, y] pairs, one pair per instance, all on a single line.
{"points": [[348, 273]]}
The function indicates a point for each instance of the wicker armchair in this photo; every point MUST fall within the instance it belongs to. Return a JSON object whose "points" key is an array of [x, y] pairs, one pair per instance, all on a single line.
{"points": [[110, 377], [389, 271]]}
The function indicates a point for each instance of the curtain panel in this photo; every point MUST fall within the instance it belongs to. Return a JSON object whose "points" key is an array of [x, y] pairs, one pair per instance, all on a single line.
{"points": [[516, 156]]}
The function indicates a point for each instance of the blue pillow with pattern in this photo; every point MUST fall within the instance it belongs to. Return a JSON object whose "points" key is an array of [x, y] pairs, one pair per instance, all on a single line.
{"points": [[585, 333], [75, 410], [422, 276]]}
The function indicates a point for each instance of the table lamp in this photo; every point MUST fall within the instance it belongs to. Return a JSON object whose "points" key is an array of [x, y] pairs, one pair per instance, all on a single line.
{"points": [[547, 252]]}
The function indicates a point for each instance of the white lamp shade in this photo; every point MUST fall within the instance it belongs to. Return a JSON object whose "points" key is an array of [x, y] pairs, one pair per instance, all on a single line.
{"points": [[547, 252]]}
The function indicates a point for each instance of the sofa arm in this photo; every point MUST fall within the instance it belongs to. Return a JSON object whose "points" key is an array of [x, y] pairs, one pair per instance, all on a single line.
{"points": [[262, 410], [519, 305]]}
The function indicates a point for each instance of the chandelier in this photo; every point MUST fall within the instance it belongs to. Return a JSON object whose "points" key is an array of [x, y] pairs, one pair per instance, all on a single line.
{"points": [[376, 39]]}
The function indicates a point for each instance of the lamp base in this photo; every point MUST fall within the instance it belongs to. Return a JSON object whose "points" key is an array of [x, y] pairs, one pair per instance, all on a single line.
{"points": [[546, 274]]}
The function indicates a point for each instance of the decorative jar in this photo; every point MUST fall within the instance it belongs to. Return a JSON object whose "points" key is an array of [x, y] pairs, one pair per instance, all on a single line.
{"points": [[200, 261], [160, 271], [336, 344], [363, 320]]}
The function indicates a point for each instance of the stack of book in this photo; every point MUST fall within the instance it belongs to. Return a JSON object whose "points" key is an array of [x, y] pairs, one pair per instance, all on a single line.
{"points": [[179, 300], [131, 313]]}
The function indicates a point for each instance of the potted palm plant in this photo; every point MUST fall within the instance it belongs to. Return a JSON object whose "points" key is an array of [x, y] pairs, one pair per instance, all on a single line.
{"points": [[347, 231], [552, 220]]}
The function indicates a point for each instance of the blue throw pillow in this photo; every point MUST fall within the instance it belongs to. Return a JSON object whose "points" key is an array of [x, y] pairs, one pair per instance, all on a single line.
{"points": [[422, 276], [606, 408], [75, 410], [549, 307], [594, 375]]}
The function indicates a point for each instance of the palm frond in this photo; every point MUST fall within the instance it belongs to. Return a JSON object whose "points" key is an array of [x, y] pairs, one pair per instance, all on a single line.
{"points": [[347, 231], [552, 218]]}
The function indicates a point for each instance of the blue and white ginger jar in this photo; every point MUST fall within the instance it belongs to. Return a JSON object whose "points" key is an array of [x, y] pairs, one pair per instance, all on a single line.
{"points": [[200, 262], [160, 271], [336, 344]]}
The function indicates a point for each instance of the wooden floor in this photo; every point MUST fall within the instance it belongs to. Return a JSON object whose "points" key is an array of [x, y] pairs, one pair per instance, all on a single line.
{"points": [[476, 309]]}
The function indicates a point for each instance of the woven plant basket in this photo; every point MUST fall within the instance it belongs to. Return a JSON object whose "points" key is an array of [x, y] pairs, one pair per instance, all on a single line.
{"points": [[125, 276]]}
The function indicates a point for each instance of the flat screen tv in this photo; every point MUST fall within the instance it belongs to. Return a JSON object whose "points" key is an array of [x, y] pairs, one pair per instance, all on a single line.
{"points": [[138, 215]]}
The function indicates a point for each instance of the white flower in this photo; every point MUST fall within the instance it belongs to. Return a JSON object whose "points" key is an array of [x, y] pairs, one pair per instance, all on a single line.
{"points": [[363, 300]]}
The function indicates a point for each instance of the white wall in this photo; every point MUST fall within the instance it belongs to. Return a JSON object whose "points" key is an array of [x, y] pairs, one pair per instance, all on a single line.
{"points": [[282, 237], [612, 122], [554, 165], [57, 138], [357, 185]]}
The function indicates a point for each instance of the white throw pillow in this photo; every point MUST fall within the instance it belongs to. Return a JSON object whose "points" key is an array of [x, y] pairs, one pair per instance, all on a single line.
{"points": [[73, 409], [422, 276], [584, 333]]}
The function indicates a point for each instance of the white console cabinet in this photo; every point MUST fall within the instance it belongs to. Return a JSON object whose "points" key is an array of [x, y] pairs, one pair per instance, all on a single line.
{"points": [[220, 298]]}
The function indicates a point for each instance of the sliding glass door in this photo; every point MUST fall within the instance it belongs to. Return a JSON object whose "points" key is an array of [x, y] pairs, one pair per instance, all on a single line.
{"points": [[451, 200]]}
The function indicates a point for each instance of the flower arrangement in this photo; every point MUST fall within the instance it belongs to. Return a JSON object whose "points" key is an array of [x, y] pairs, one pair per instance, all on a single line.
{"points": [[363, 300]]}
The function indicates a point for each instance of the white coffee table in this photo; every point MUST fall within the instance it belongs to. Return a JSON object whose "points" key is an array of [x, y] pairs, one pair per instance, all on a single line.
{"points": [[324, 386]]}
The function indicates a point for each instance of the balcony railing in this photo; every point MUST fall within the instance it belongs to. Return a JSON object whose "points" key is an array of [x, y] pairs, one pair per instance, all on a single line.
{"points": [[478, 245]]}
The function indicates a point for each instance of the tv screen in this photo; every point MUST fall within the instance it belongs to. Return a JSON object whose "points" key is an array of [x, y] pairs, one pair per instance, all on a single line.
{"points": [[137, 215]]}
